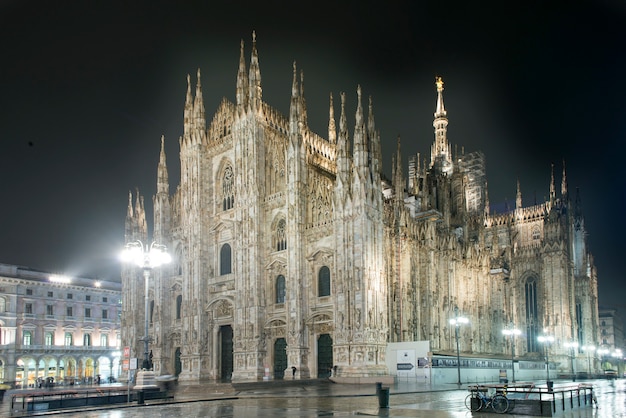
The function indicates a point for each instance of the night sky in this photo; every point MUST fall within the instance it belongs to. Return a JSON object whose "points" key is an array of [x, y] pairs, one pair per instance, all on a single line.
{"points": [[87, 88]]}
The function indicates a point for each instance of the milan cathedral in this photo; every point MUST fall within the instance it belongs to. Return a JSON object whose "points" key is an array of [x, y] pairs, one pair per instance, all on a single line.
{"points": [[293, 250]]}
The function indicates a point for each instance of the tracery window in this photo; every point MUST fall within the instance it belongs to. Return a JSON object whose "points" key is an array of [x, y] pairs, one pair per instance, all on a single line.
{"points": [[281, 235], [323, 282], [532, 315], [225, 260], [280, 289], [228, 189], [536, 234]]}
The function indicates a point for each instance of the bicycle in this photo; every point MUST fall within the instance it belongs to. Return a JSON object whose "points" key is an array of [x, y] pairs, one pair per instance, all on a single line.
{"points": [[479, 400]]}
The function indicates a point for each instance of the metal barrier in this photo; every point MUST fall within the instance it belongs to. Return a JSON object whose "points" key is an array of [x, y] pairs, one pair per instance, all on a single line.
{"points": [[526, 398]]}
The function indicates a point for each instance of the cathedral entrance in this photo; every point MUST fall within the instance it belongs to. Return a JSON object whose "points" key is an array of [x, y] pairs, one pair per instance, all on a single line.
{"points": [[280, 358], [226, 339], [324, 356], [177, 364]]}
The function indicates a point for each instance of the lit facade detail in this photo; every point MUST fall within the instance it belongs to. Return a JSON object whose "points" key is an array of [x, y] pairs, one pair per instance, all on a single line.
{"points": [[292, 249]]}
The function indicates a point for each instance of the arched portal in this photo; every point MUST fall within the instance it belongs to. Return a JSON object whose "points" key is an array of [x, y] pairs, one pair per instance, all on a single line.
{"points": [[226, 346], [324, 355], [280, 358], [178, 367]]}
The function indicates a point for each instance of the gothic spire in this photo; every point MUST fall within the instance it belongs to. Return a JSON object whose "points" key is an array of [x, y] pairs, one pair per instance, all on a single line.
{"points": [[440, 111], [375, 149], [129, 211], [359, 151], [440, 157], [486, 199], [564, 183], [332, 129], [162, 176], [294, 107], [398, 178], [343, 145], [552, 187], [198, 107], [303, 112], [518, 197], [255, 76], [242, 81], [188, 113]]}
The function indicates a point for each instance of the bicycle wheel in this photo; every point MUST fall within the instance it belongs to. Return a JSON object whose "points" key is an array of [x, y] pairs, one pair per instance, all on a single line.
{"points": [[473, 402], [500, 404]]}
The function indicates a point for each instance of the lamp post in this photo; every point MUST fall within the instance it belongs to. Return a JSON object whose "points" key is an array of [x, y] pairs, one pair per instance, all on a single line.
{"points": [[618, 355], [512, 331], [572, 345], [147, 257], [546, 340], [602, 352], [589, 349], [457, 321]]}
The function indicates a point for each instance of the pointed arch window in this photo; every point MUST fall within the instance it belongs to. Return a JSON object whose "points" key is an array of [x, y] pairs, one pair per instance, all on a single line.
{"points": [[281, 235], [228, 189], [532, 315], [323, 282], [225, 260], [280, 289], [179, 306]]}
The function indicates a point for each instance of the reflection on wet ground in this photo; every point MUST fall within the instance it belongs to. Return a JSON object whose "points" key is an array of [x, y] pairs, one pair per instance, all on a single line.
{"points": [[342, 401]]}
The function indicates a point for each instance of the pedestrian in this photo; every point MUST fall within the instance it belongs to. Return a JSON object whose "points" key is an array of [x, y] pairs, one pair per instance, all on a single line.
{"points": [[293, 372]]}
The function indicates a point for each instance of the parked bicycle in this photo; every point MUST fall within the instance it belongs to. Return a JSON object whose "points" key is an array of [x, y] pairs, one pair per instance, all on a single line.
{"points": [[479, 400]]}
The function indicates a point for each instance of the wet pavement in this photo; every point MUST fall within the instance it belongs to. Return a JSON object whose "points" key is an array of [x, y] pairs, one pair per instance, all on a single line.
{"points": [[321, 398]]}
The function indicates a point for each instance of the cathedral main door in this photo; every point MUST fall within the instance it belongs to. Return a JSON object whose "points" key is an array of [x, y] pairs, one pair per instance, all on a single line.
{"points": [[280, 358], [324, 355], [226, 337]]}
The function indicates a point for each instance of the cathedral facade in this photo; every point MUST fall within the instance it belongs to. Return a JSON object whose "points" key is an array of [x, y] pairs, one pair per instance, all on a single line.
{"points": [[293, 252]]}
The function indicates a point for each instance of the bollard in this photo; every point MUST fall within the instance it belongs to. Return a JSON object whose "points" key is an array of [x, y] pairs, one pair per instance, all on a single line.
{"points": [[383, 398]]}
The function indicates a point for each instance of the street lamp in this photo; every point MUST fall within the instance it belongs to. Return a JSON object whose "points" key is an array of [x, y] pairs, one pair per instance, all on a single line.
{"points": [[546, 340], [618, 355], [589, 349], [602, 352], [512, 332], [457, 321], [572, 345], [147, 257]]}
